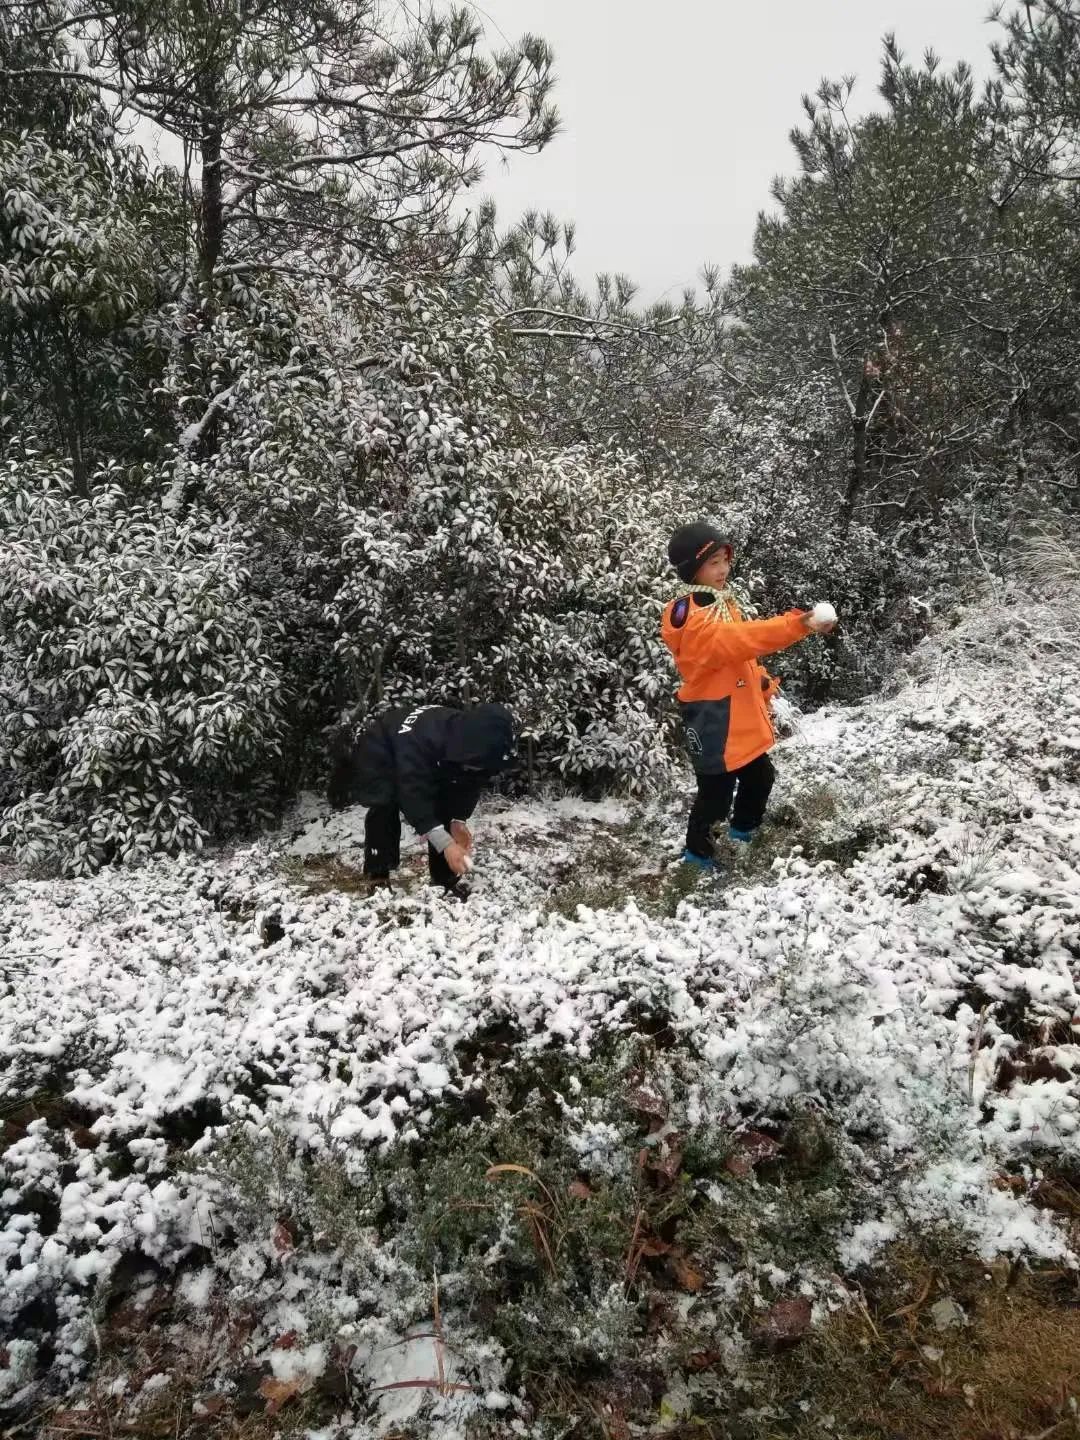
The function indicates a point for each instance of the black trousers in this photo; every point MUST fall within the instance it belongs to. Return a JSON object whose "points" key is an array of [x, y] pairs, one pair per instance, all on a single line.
{"points": [[750, 787], [382, 847]]}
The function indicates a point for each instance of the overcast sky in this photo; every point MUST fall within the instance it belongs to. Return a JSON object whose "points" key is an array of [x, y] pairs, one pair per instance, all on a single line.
{"points": [[676, 114]]}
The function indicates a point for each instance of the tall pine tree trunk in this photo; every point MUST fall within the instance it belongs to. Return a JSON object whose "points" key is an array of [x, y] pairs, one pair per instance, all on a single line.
{"points": [[211, 208], [856, 484]]}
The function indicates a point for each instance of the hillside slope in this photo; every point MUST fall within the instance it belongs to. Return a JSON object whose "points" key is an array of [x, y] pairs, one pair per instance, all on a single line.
{"points": [[256, 1121]]}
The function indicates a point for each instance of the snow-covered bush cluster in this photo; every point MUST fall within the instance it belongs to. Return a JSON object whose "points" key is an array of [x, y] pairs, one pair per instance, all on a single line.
{"points": [[296, 1098], [142, 702], [479, 563], [412, 540]]}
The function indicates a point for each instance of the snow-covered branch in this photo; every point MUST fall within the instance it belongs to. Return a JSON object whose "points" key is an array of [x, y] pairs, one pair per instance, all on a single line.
{"points": [[192, 435], [840, 374]]}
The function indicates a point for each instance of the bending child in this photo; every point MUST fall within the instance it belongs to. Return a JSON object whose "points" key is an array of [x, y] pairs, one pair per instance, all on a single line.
{"points": [[428, 763], [726, 693]]}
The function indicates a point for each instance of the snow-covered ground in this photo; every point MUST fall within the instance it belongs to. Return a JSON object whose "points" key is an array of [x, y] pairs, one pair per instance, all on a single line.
{"points": [[918, 989]]}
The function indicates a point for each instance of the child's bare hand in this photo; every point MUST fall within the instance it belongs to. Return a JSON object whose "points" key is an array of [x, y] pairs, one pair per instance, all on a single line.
{"points": [[462, 835], [456, 857], [818, 627]]}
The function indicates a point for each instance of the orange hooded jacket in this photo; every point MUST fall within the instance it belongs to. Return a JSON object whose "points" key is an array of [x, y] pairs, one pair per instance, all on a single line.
{"points": [[725, 694]]}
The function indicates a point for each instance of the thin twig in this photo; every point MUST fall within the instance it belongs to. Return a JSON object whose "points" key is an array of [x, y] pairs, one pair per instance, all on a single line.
{"points": [[438, 1334], [633, 1256], [976, 1046], [840, 374], [1052, 1430]]}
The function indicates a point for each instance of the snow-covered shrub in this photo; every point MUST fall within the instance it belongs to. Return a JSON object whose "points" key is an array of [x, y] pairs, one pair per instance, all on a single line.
{"points": [[66, 239], [411, 542], [776, 492], [477, 567], [497, 1207], [1046, 562], [535, 584], [906, 1054], [140, 706], [269, 439]]}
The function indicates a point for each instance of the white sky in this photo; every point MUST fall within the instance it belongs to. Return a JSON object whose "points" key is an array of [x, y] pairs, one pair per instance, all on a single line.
{"points": [[674, 127], [676, 115]]}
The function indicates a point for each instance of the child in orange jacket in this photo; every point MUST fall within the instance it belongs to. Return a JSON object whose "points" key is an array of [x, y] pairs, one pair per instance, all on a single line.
{"points": [[726, 693]]}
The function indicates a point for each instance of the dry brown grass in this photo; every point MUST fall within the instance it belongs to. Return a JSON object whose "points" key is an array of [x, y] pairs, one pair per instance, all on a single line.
{"points": [[318, 874], [884, 1371]]}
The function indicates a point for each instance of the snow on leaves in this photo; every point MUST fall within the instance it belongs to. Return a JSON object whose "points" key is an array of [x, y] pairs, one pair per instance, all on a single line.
{"points": [[140, 695], [929, 1021]]}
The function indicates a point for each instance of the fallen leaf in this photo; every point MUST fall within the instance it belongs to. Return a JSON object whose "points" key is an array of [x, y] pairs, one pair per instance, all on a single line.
{"points": [[446, 1388], [333, 1384], [687, 1276], [940, 1389], [653, 1246], [277, 1393], [784, 1323], [210, 1405], [11, 1133], [241, 1327], [286, 1341], [900, 1358], [344, 1354], [615, 1424], [493, 1170], [947, 1314], [283, 1237], [647, 1102], [703, 1360], [21, 1117], [578, 1190], [669, 1161], [661, 1314], [910, 1312], [132, 1316], [751, 1148]]}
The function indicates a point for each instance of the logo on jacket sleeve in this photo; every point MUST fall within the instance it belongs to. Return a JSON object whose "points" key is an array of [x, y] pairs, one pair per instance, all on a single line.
{"points": [[680, 611]]}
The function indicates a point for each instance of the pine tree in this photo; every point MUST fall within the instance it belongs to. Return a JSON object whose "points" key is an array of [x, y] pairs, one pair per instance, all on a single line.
{"points": [[333, 128], [86, 239]]}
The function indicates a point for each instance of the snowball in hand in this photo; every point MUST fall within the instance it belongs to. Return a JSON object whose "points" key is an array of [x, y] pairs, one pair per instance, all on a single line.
{"points": [[823, 613]]}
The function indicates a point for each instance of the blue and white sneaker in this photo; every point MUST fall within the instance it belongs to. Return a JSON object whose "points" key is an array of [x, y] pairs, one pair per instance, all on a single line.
{"points": [[741, 837]]}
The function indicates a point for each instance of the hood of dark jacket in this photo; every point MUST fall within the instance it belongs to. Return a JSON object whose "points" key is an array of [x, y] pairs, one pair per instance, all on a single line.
{"points": [[482, 739]]}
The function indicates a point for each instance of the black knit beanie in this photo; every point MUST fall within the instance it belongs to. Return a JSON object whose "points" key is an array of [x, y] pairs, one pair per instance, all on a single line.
{"points": [[692, 545]]}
